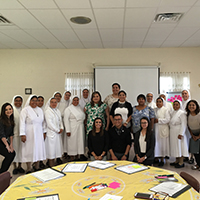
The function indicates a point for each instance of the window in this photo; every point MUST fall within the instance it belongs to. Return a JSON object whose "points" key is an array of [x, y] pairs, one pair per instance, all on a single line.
{"points": [[174, 81], [76, 82]]}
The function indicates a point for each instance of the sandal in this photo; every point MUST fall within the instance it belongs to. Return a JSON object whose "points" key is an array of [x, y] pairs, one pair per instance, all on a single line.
{"points": [[195, 167]]}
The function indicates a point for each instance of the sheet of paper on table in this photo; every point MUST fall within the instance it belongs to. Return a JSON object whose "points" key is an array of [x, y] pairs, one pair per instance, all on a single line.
{"points": [[110, 197], [171, 188], [100, 164], [46, 197], [75, 167], [131, 168], [48, 174]]}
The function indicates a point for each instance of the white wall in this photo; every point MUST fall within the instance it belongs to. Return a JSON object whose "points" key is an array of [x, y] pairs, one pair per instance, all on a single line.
{"points": [[44, 70]]}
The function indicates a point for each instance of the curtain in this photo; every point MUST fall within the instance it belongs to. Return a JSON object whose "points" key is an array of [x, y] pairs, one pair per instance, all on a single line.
{"points": [[174, 81], [76, 82]]}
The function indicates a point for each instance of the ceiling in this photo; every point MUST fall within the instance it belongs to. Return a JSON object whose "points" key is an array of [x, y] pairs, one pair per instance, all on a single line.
{"points": [[45, 24]]}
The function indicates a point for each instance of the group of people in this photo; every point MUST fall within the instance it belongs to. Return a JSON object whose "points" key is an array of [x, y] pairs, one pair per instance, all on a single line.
{"points": [[71, 126]]}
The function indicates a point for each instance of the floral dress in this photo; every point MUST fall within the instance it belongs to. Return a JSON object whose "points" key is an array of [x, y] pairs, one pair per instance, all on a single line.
{"points": [[94, 112], [138, 114]]}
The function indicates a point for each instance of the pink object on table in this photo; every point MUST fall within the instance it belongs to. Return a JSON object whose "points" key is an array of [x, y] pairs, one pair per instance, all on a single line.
{"points": [[114, 185]]}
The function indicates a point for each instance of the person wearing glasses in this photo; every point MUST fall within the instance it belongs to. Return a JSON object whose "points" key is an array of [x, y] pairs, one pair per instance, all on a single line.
{"points": [[144, 143], [119, 139], [150, 102]]}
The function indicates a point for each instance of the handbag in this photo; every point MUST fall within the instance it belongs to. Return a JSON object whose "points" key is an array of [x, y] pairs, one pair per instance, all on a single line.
{"points": [[194, 146]]}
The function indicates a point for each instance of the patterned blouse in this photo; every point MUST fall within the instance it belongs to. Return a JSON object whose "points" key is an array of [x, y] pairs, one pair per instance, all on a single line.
{"points": [[94, 112], [138, 114], [110, 100]]}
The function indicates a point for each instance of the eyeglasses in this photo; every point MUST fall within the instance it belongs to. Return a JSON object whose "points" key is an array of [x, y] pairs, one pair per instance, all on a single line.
{"points": [[117, 119]]}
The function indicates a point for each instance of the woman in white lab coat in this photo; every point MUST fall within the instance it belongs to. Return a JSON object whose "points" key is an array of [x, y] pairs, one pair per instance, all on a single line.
{"points": [[161, 130], [53, 141], [73, 121], [178, 140], [32, 133]]}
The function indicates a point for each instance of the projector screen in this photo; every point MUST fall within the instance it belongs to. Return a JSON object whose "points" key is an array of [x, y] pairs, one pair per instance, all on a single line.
{"points": [[133, 80]]}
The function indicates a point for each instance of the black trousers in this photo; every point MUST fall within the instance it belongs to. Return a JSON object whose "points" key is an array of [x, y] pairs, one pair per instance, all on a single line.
{"points": [[197, 158], [8, 157]]}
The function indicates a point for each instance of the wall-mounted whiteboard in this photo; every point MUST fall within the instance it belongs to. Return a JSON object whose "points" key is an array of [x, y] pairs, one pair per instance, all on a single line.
{"points": [[134, 80]]}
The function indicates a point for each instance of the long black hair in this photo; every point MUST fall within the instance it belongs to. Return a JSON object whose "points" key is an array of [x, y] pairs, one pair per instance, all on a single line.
{"points": [[197, 107], [94, 127], [149, 131], [5, 120]]}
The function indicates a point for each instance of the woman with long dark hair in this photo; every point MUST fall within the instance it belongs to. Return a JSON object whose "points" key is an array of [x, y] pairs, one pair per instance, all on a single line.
{"points": [[193, 121], [96, 108], [144, 143], [98, 141], [6, 136]]}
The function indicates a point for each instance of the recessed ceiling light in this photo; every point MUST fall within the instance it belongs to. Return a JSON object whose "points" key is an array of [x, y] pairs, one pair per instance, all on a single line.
{"points": [[168, 17], [80, 20]]}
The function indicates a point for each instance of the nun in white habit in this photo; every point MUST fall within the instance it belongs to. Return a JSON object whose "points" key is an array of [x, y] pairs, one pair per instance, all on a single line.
{"points": [[58, 97], [64, 103], [53, 141], [32, 131], [167, 104], [85, 98], [17, 107], [73, 121], [186, 97], [178, 141], [161, 130], [150, 101]]}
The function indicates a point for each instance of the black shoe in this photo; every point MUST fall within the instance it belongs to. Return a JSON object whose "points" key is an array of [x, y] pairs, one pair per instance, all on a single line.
{"points": [[28, 172], [83, 158], [179, 166], [47, 164], [59, 161], [166, 157], [15, 171], [186, 159], [21, 170], [191, 161], [173, 164], [161, 163], [42, 165], [156, 161]]}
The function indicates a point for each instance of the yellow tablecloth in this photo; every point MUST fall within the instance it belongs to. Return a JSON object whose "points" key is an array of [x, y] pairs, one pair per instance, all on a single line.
{"points": [[71, 186]]}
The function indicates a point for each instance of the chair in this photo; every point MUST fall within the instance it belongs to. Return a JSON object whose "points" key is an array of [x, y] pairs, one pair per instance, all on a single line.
{"points": [[4, 181], [190, 180]]}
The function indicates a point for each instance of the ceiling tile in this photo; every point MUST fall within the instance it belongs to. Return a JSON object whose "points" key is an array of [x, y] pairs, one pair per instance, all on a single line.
{"points": [[158, 34], [132, 44], [109, 18], [173, 9], [16, 45], [52, 19], [42, 35], [191, 18], [177, 2], [34, 45], [79, 12], [92, 45], [112, 45], [64, 35], [2, 46], [73, 45], [111, 34], [139, 17], [73, 3], [38, 4], [108, 4], [18, 35], [196, 36], [54, 45], [88, 35], [10, 4], [197, 3], [134, 34], [182, 33], [152, 43], [142, 3], [22, 19], [6, 39], [172, 43], [189, 43]]}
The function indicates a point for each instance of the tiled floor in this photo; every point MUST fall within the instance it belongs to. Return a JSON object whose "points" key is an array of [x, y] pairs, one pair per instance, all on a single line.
{"points": [[167, 166]]}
